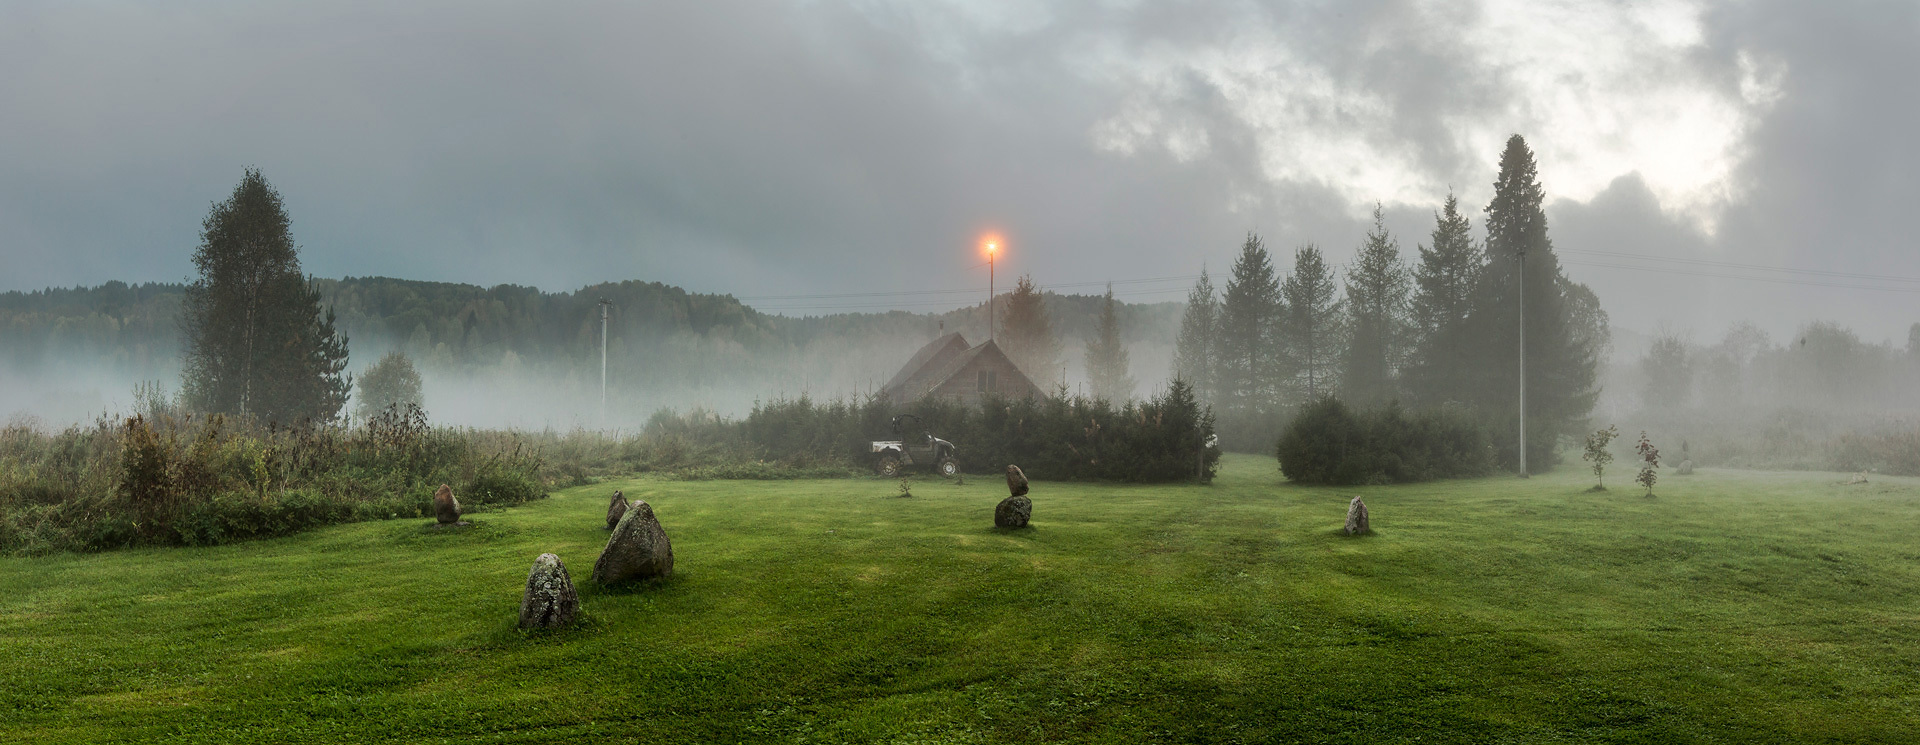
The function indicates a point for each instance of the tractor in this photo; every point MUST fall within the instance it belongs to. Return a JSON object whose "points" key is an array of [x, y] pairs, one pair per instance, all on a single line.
{"points": [[892, 456]]}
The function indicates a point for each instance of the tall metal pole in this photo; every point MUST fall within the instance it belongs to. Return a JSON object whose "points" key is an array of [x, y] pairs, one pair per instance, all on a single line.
{"points": [[605, 305], [1199, 434], [1523, 363], [990, 254]]}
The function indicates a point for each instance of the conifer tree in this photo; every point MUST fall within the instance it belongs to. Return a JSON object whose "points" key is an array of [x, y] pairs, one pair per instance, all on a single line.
{"points": [[1106, 357], [1439, 366], [1560, 369], [1377, 318], [1311, 328], [1197, 345], [258, 341], [1025, 333], [1247, 359]]}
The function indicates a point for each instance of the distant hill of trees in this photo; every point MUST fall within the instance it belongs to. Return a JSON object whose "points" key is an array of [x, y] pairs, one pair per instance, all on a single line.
{"points": [[666, 346]]}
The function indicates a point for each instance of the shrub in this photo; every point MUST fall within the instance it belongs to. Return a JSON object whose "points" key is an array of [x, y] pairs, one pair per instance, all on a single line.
{"points": [[1327, 443], [1067, 438]]}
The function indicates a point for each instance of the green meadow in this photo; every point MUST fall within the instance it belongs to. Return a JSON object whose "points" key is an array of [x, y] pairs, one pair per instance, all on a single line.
{"points": [[1734, 607]]}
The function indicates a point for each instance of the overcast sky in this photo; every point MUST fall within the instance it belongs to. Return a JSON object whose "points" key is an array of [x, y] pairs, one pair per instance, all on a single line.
{"points": [[823, 148]]}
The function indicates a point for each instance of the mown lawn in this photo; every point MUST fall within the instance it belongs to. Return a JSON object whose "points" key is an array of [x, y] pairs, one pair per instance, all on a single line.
{"points": [[1736, 607]]}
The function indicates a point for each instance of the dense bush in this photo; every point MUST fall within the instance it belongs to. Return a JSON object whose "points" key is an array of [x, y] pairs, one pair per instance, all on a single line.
{"points": [[1892, 448], [1057, 437], [1327, 443]]}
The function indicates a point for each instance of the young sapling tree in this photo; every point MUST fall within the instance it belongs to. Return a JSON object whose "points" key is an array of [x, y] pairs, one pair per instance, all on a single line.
{"points": [[1598, 454], [1649, 460]]}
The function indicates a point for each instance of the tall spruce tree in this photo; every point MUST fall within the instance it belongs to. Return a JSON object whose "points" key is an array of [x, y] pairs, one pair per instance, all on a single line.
{"points": [[1106, 356], [1441, 365], [1025, 333], [1377, 318], [1247, 360], [1559, 368], [1312, 327], [258, 341], [1197, 345]]}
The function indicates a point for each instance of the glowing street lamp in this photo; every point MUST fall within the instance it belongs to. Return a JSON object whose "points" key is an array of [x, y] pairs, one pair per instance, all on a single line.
{"points": [[993, 247]]}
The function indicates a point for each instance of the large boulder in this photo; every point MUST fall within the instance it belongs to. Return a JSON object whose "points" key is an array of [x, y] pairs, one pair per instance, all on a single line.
{"points": [[638, 548], [1686, 467], [1016, 481], [550, 601], [1013, 512], [446, 509], [1357, 517], [616, 509]]}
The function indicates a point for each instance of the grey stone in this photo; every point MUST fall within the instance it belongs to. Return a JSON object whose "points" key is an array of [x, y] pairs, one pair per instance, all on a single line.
{"points": [[1686, 467], [1357, 517], [1013, 512], [446, 509], [1016, 481], [616, 509], [550, 601], [638, 548]]}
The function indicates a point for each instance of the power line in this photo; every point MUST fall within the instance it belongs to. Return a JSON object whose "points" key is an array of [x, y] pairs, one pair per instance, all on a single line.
{"points": [[1774, 280], [861, 301], [915, 293], [1735, 265], [929, 303]]}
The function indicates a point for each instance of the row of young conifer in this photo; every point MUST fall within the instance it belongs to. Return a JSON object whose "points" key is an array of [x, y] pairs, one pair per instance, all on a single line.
{"points": [[1444, 332]]}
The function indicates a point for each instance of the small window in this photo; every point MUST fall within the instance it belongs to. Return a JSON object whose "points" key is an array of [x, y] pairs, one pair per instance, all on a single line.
{"points": [[993, 380], [983, 381]]}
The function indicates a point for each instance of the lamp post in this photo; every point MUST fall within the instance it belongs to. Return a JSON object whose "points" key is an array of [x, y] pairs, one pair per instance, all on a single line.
{"points": [[992, 247]]}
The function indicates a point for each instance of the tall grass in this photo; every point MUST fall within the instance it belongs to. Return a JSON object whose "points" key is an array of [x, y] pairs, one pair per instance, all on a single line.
{"points": [[165, 477]]}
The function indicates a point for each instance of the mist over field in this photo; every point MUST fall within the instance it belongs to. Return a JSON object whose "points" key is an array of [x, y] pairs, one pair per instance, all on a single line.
{"points": [[515, 357], [959, 371]]}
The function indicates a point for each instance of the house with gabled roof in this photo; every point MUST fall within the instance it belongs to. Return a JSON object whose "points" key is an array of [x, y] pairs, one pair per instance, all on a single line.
{"points": [[948, 367]]}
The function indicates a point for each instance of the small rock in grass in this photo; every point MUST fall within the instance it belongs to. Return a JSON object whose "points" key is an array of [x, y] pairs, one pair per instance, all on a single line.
{"points": [[1686, 467], [1013, 512], [550, 601], [1357, 517], [638, 548], [1858, 478], [446, 509], [1016, 481], [616, 509]]}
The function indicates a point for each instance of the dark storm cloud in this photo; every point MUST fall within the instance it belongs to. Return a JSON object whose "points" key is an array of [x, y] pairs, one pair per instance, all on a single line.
{"points": [[764, 149]]}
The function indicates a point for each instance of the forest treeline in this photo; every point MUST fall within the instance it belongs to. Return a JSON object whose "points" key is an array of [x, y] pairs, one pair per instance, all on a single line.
{"points": [[661, 338], [1443, 331], [1822, 398]]}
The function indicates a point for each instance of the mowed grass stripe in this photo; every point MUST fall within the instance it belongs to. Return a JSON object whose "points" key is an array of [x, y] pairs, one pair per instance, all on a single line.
{"points": [[1734, 607]]}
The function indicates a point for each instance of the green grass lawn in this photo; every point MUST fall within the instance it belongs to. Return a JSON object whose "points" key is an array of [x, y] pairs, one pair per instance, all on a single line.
{"points": [[1736, 607]]}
